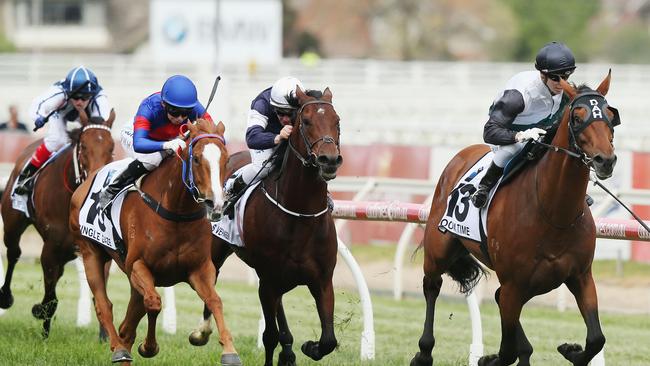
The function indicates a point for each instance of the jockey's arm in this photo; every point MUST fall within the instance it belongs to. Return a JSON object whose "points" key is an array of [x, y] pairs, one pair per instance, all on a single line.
{"points": [[51, 100], [256, 136], [497, 130], [141, 141], [101, 106]]}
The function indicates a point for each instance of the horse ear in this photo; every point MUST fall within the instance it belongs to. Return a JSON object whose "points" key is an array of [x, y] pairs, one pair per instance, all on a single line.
{"points": [[603, 88], [221, 128], [111, 119], [568, 89], [327, 94], [192, 128], [302, 97]]}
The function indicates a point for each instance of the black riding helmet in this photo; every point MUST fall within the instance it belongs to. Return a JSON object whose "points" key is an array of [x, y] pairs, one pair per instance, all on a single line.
{"points": [[555, 58]]}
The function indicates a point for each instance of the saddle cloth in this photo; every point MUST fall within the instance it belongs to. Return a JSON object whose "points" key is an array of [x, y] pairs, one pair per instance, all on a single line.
{"points": [[231, 230], [95, 224], [461, 217], [19, 201]]}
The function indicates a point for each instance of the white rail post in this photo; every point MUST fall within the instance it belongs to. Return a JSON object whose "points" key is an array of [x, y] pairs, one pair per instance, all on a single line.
{"points": [[368, 334], [476, 348], [169, 311], [83, 305]]}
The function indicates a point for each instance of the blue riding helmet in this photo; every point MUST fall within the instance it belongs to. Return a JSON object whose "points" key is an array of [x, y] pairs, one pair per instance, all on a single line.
{"points": [[179, 91], [81, 80]]}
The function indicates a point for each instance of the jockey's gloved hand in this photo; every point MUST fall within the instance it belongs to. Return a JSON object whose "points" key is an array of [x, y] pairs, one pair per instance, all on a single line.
{"points": [[40, 122], [530, 134], [174, 145]]}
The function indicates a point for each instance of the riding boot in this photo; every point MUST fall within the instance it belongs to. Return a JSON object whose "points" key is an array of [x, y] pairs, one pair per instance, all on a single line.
{"points": [[132, 172], [24, 184], [589, 200], [491, 177], [232, 195]]}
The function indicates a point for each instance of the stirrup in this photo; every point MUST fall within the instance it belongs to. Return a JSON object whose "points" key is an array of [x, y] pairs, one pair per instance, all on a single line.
{"points": [[479, 198]]}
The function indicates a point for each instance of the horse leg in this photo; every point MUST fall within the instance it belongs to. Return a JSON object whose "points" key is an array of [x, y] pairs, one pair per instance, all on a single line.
{"points": [[14, 227], [286, 357], [142, 280], [52, 263], [203, 281], [134, 313], [584, 290], [510, 305], [431, 284], [524, 348], [94, 263], [323, 294], [201, 335], [269, 301]]}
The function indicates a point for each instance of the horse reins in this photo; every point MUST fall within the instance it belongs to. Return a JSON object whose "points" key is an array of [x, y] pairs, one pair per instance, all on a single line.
{"points": [[80, 173], [310, 161]]}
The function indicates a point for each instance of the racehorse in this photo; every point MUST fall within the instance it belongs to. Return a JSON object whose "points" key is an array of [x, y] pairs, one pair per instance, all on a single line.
{"points": [[288, 230], [167, 239], [540, 231], [91, 148]]}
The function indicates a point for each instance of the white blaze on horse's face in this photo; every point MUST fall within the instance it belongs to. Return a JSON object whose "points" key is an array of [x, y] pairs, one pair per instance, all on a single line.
{"points": [[212, 153]]}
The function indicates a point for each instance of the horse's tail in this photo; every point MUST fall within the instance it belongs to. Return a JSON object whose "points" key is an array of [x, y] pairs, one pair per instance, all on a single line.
{"points": [[467, 271]]}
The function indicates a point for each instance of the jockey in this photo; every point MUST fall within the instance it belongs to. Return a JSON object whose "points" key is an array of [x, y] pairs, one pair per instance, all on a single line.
{"points": [[531, 101], [270, 121], [156, 131], [57, 106]]}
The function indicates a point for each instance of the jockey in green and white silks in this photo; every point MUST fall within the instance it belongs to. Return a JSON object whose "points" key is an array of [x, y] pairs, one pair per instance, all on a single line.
{"points": [[530, 104]]}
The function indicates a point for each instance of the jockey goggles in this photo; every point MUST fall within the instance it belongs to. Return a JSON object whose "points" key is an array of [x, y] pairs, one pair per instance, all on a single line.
{"points": [[177, 112], [288, 112], [82, 96], [556, 77]]}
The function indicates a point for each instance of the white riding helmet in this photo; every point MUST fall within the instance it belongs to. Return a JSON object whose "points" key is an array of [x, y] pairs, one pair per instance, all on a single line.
{"points": [[284, 91]]}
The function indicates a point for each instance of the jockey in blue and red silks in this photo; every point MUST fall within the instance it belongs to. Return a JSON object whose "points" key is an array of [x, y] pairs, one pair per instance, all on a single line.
{"points": [[59, 105], [156, 131]]}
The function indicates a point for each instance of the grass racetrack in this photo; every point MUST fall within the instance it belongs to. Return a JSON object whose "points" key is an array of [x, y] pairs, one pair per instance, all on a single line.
{"points": [[397, 328]]}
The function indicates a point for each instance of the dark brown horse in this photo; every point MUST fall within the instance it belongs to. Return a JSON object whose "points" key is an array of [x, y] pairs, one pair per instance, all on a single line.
{"points": [[91, 148], [167, 241], [288, 231], [551, 241]]}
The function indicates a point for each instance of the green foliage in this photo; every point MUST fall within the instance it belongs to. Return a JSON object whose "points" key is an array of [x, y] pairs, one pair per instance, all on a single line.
{"points": [[628, 44], [6, 45], [539, 22]]}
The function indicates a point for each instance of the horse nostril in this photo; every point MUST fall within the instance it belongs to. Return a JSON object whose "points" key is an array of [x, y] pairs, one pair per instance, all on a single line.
{"points": [[210, 204], [339, 160], [598, 159], [323, 160]]}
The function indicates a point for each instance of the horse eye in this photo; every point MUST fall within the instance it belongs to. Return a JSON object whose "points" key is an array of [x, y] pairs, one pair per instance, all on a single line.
{"points": [[195, 159], [306, 121]]}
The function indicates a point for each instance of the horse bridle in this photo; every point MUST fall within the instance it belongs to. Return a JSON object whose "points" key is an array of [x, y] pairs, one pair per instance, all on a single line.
{"points": [[188, 175], [80, 172], [596, 105], [310, 160]]}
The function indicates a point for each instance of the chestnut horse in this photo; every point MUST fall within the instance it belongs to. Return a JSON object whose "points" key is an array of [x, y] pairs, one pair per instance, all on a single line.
{"points": [[91, 148], [166, 242], [552, 241], [288, 231]]}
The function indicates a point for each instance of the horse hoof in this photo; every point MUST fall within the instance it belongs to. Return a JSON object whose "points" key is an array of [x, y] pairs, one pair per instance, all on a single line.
{"points": [[420, 360], [6, 299], [569, 350], [287, 359], [310, 349], [199, 338], [121, 355], [38, 311], [230, 359], [488, 360], [147, 354]]}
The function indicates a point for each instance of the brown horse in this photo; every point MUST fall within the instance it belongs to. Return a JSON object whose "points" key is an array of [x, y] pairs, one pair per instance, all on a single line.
{"points": [[552, 241], [288, 231], [91, 148], [166, 242]]}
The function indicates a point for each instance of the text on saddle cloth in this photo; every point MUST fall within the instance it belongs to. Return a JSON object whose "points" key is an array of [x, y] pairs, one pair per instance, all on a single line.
{"points": [[231, 230], [461, 217], [94, 224], [19, 202]]}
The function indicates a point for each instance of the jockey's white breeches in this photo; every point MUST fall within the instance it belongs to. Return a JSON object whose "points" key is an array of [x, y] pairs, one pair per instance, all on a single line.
{"points": [[503, 153]]}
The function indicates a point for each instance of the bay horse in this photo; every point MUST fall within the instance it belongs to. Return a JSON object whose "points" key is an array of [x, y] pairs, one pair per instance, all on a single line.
{"points": [[288, 231], [167, 241], [540, 231], [91, 148]]}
